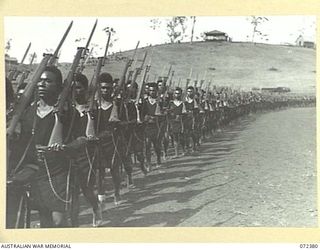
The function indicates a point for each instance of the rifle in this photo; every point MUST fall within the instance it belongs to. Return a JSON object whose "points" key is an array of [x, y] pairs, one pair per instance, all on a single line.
{"points": [[139, 90], [90, 132], [141, 84], [138, 70], [162, 71], [88, 57], [16, 72], [54, 57], [203, 80], [207, 94], [196, 82], [165, 79], [167, 88], [80, 69], [149, 67], [179, 82], [126, 67], [25, 98], [170, 79], [147, 78], [81, 66], [187, 83], [56, 134], [129, 76], [26, 72]]}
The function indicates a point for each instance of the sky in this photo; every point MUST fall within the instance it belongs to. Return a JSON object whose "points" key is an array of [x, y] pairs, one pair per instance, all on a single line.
{"points": [[45, 32]]}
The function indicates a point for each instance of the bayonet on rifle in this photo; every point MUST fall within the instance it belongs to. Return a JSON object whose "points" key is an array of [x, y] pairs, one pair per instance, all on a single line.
{"points": [[55, 54], [18, 70], [26, 72], [126, 67], [25, 54], [90, 132], [85, 50], [138, 70]]}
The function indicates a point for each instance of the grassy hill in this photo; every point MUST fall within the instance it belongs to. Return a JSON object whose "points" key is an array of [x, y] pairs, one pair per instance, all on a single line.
{"points": [[242, 65]]}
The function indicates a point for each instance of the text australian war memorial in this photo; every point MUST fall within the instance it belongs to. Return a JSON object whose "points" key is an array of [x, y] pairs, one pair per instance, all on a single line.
{"points": [[199, 131]]}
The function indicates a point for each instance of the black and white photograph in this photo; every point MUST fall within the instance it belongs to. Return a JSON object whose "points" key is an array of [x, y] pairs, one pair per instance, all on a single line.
{"points": [[160, 121]]}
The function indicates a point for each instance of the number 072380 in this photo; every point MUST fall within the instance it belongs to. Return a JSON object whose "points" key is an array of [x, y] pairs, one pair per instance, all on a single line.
{"points": [[309, 246]]}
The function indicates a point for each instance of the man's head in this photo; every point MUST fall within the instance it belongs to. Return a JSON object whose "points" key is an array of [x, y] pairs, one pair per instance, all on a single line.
{"points": [[178, 93], [161, 86], [20, 89], [106, 86], [153, 89], [80, 87], [190, 91], [132, 88], [146, 88], [50, 84], [203, 94], [116, 81]]}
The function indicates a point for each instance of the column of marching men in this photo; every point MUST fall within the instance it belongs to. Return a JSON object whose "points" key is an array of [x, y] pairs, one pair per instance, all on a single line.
{"points": [[105, 126], [124, 129]]}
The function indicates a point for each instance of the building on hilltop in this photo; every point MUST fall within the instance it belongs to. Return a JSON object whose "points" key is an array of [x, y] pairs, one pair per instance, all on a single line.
{"points": [[11, 60], [216, 35], [305, 42], [11, 63]]}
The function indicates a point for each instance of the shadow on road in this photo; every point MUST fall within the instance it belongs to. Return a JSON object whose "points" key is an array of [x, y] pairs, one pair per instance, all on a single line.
{"points": [[136, 210]]}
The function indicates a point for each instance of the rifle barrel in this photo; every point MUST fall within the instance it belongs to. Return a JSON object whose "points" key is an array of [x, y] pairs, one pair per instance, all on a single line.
{"points": [[55, 54], [106, 50], [91, 34], [68, 80], [84, 52], [144, 59], [135, 50], [169, 71], [26, 53], [32, 58]]}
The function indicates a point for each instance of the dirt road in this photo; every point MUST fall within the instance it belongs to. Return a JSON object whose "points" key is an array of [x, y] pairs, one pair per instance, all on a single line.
{"points": [[260, 171]]}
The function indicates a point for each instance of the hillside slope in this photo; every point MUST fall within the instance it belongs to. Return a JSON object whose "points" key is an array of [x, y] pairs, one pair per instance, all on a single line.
{"points": [[242, 65]]}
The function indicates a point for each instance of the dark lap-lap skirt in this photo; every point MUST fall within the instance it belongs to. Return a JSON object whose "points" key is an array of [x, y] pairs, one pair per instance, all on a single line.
{"points": [[110, 151], [50, 188], [176, 126], [152, 130]]}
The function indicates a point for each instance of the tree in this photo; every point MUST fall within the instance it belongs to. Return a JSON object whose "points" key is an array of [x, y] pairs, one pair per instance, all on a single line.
{"points": [[256, 22], [94, 49], [202, 35], [155, 23], [176, 28], [8, 46], [193, 18], [80, 39], [113, 37]]}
